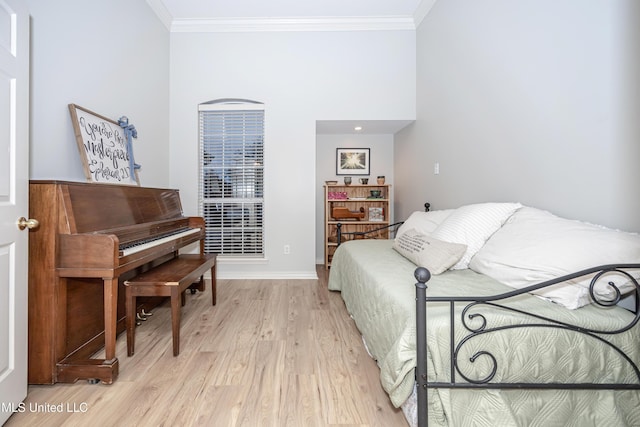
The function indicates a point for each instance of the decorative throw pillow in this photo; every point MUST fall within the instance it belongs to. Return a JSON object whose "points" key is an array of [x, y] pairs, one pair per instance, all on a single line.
{"points": [[425, 222], [472, 225], [424, 251]]}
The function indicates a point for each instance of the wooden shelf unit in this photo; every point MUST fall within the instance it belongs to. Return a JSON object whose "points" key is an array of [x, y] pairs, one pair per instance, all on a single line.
{"points": [[358, 196]]}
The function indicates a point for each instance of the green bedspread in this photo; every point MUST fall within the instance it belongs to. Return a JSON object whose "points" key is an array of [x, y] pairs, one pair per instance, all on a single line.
{"points": [[377, 286]]}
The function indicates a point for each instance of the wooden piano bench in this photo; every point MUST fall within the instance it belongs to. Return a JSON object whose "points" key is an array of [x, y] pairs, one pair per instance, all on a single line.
{"points": [[170, 279]]}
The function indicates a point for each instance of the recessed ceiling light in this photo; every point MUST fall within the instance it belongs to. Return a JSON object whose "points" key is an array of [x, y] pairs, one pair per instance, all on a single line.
{"points": [[358, 128]]}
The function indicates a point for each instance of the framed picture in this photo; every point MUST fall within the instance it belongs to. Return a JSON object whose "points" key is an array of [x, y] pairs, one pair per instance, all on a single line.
{"points": [[103, 148], [352, 161], [376, 214]]}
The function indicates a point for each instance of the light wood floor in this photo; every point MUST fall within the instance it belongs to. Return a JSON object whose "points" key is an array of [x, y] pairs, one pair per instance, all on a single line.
{"points": [[270, 353]]}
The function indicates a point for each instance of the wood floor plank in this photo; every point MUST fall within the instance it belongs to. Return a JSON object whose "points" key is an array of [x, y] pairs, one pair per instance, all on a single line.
{"points": [[299, 330], [262, 404], [335, 369], [270, 353], [274, 319], [300, 403], [220, 406]]}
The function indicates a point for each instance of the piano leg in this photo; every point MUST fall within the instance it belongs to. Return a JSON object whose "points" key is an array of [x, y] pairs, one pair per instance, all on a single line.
{"points": [[130, 307], [110, 317], [72, 368]]}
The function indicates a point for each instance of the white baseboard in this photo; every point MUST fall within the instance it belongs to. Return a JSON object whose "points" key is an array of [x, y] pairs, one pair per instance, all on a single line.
{"points": [[290, 275], [266, 275]]}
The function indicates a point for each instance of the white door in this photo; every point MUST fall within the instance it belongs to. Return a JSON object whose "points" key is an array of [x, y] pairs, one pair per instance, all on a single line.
{"points": [[14, 199]]}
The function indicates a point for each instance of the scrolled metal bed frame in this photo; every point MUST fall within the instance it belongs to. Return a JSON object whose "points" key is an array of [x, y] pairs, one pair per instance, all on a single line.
{"points": [[422, 276]]}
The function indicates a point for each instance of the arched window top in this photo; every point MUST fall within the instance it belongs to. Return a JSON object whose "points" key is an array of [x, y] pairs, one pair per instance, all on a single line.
{"points": [[231, 104], [232, 101]]}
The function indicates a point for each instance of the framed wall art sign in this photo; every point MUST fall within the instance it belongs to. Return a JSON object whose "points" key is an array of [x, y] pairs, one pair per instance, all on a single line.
{"points": [[105, 150], [352, 161]]}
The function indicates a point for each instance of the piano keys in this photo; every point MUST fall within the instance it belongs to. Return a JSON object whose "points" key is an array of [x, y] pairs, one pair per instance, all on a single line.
{"points": [[93, 237], [135, 247]]}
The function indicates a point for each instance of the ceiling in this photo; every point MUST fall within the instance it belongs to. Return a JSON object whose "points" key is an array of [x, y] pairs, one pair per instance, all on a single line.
{"points": [[214, 9]]}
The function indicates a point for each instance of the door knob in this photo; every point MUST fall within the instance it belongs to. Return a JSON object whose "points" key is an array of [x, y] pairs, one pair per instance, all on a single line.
{"points": [[27, 223]]}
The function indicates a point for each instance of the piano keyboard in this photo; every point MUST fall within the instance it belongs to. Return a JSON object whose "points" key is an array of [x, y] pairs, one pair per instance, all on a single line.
{"points": [[149, 243]]}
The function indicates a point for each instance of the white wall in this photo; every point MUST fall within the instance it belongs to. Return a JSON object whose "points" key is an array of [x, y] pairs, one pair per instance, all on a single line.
{"points": [[301, 77], [381, 161], [535, 101], [111, 57]]}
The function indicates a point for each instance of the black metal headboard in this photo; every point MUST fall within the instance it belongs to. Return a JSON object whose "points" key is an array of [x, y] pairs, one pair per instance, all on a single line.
{"points": [[361, 234]]}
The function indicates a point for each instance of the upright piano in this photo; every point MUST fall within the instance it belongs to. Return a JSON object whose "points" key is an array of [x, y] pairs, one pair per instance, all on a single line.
{"points": [[92, 237]]}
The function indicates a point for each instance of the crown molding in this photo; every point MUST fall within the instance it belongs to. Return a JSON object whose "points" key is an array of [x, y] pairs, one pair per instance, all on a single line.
{"points": [[379, 23], [350, 23], [161, 12], [422, 11]]}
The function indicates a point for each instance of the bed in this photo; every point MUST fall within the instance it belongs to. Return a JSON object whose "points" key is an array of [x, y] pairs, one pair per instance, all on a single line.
{"points": [[496, 346]]}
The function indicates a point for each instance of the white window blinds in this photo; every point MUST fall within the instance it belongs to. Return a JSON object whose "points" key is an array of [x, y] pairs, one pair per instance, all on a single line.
{"points": [[232, 176]]}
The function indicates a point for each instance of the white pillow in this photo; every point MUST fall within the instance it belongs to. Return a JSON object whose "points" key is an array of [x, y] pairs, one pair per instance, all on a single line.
{"points": [[472, 225], [424, 251], [424, 222], [535, 246]]}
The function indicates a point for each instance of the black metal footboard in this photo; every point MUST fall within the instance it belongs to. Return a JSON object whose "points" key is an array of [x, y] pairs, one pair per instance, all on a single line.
{"points": [[458, 379]]}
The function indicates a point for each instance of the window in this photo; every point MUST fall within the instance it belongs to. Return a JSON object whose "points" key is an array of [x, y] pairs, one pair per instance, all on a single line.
{"points": [[231, 190]]}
